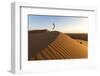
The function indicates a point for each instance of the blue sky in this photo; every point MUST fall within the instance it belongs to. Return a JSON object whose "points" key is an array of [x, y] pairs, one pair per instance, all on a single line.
{"points": [[66, 24]]}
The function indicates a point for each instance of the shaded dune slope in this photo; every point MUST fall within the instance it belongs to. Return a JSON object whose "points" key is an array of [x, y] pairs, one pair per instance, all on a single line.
{"points": [[54, 45]]}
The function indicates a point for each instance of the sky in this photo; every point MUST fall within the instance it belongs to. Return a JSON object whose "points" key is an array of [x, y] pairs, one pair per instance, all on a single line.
{"points": [[65, 24]]}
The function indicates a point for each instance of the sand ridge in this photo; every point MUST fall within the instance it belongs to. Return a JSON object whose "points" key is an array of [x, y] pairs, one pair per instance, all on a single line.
{"points": [[54, 45]]}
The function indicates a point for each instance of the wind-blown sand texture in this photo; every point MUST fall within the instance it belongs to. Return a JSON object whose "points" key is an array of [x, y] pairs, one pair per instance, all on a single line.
{"points": [[46, 45]]}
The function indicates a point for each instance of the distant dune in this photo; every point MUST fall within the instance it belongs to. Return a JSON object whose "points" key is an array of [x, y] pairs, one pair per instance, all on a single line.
{"points": [[47, 45], [37, 31], [81, 36]]}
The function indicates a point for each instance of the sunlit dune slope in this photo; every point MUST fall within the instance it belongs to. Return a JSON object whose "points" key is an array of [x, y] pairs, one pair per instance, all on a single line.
{"points": [[83, 42], [54, 45]]}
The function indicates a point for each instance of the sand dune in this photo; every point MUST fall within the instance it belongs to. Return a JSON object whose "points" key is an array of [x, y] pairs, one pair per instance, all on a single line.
{"points": [[54, 45], [83, 42], [81, 36]]}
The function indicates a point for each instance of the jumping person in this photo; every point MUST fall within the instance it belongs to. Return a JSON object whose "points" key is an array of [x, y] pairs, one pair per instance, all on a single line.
{"points": [[53, 26]]}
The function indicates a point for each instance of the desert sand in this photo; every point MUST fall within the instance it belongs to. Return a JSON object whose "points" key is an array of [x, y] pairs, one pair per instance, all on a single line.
{"points": [[46, 45], [83, 42]]}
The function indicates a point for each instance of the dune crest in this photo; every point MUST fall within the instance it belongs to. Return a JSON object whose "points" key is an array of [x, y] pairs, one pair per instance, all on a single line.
{"points": [[54, 45]]}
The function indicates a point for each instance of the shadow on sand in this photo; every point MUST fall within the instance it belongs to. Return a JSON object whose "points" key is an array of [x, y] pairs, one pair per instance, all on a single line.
{"points": [[38, 40]]}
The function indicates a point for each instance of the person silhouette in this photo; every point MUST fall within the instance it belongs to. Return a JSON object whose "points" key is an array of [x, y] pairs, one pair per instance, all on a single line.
{"points": [[53, 26]]}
